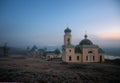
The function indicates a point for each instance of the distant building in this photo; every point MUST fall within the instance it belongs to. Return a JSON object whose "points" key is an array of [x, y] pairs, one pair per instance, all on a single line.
{"points": [[52, 55], [86, 51], [33, 52]]}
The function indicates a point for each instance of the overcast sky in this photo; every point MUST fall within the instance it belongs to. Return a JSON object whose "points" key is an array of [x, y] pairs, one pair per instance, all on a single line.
{"points": [[42, 22]]}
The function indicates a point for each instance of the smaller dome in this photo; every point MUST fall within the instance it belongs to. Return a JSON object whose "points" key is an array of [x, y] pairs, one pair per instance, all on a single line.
{"points": [[67, 30], [100, 50], [78, 49]]}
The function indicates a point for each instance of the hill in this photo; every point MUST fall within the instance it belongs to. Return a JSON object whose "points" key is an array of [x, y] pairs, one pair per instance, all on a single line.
{"points": [[36, 70]]}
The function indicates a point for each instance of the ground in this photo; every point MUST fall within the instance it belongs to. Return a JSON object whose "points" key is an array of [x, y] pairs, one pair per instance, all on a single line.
{"points": [[36, 70]]}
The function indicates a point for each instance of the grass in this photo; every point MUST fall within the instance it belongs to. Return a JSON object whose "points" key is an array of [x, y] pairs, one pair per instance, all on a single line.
{"points": [[36, 70]]}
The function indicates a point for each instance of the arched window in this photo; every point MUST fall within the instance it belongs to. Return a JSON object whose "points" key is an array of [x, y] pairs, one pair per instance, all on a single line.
{"points": [[70, 58], [90, 52], [68, 40], [77, 57]]}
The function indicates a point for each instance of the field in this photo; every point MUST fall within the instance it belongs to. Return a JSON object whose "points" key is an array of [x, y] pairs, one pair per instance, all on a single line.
{"points": [[36, 70]]}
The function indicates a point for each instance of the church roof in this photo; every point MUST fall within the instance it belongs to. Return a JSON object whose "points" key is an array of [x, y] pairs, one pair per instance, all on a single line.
{"points": [[100, 50], [78, 49], [67, 30], [85, 41]]}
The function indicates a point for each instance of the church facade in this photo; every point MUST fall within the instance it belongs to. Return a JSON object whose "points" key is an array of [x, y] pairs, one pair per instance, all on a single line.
{"points": [[85, 51]]}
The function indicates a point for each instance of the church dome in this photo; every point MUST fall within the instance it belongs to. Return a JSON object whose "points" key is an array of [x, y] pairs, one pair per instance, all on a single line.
{"points": [[86, 41], [100, 50], [67, 30]]}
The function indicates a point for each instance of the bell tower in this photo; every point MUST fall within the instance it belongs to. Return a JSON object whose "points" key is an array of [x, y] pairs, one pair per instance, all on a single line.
{"points": [[68, 48], [67, 37]]}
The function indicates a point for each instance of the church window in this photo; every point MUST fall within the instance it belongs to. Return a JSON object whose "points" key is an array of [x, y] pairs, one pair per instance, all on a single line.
{"points": [[77, 57], [70, 58], [93, 58], [68, 41], [70, 50], [86, 57], [90, 52]]}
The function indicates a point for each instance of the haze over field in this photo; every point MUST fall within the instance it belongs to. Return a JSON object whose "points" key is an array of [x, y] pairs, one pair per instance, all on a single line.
{"points": [[42, 22]]}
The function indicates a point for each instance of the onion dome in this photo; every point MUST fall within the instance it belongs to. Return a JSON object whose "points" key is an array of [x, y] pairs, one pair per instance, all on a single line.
{"points": [[67, 30], [86, 41]]}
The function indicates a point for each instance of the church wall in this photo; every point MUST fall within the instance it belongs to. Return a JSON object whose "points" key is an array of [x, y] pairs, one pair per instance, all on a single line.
{"points": [[80, 57], [74, 58], [63, 57], [103, 58], [89, 57], [66, 39], [70, 52], [73, 55], [96, 55]]}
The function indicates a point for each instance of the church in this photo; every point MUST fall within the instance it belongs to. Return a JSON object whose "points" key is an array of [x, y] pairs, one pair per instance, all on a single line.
{"points": [[85, 51]]}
